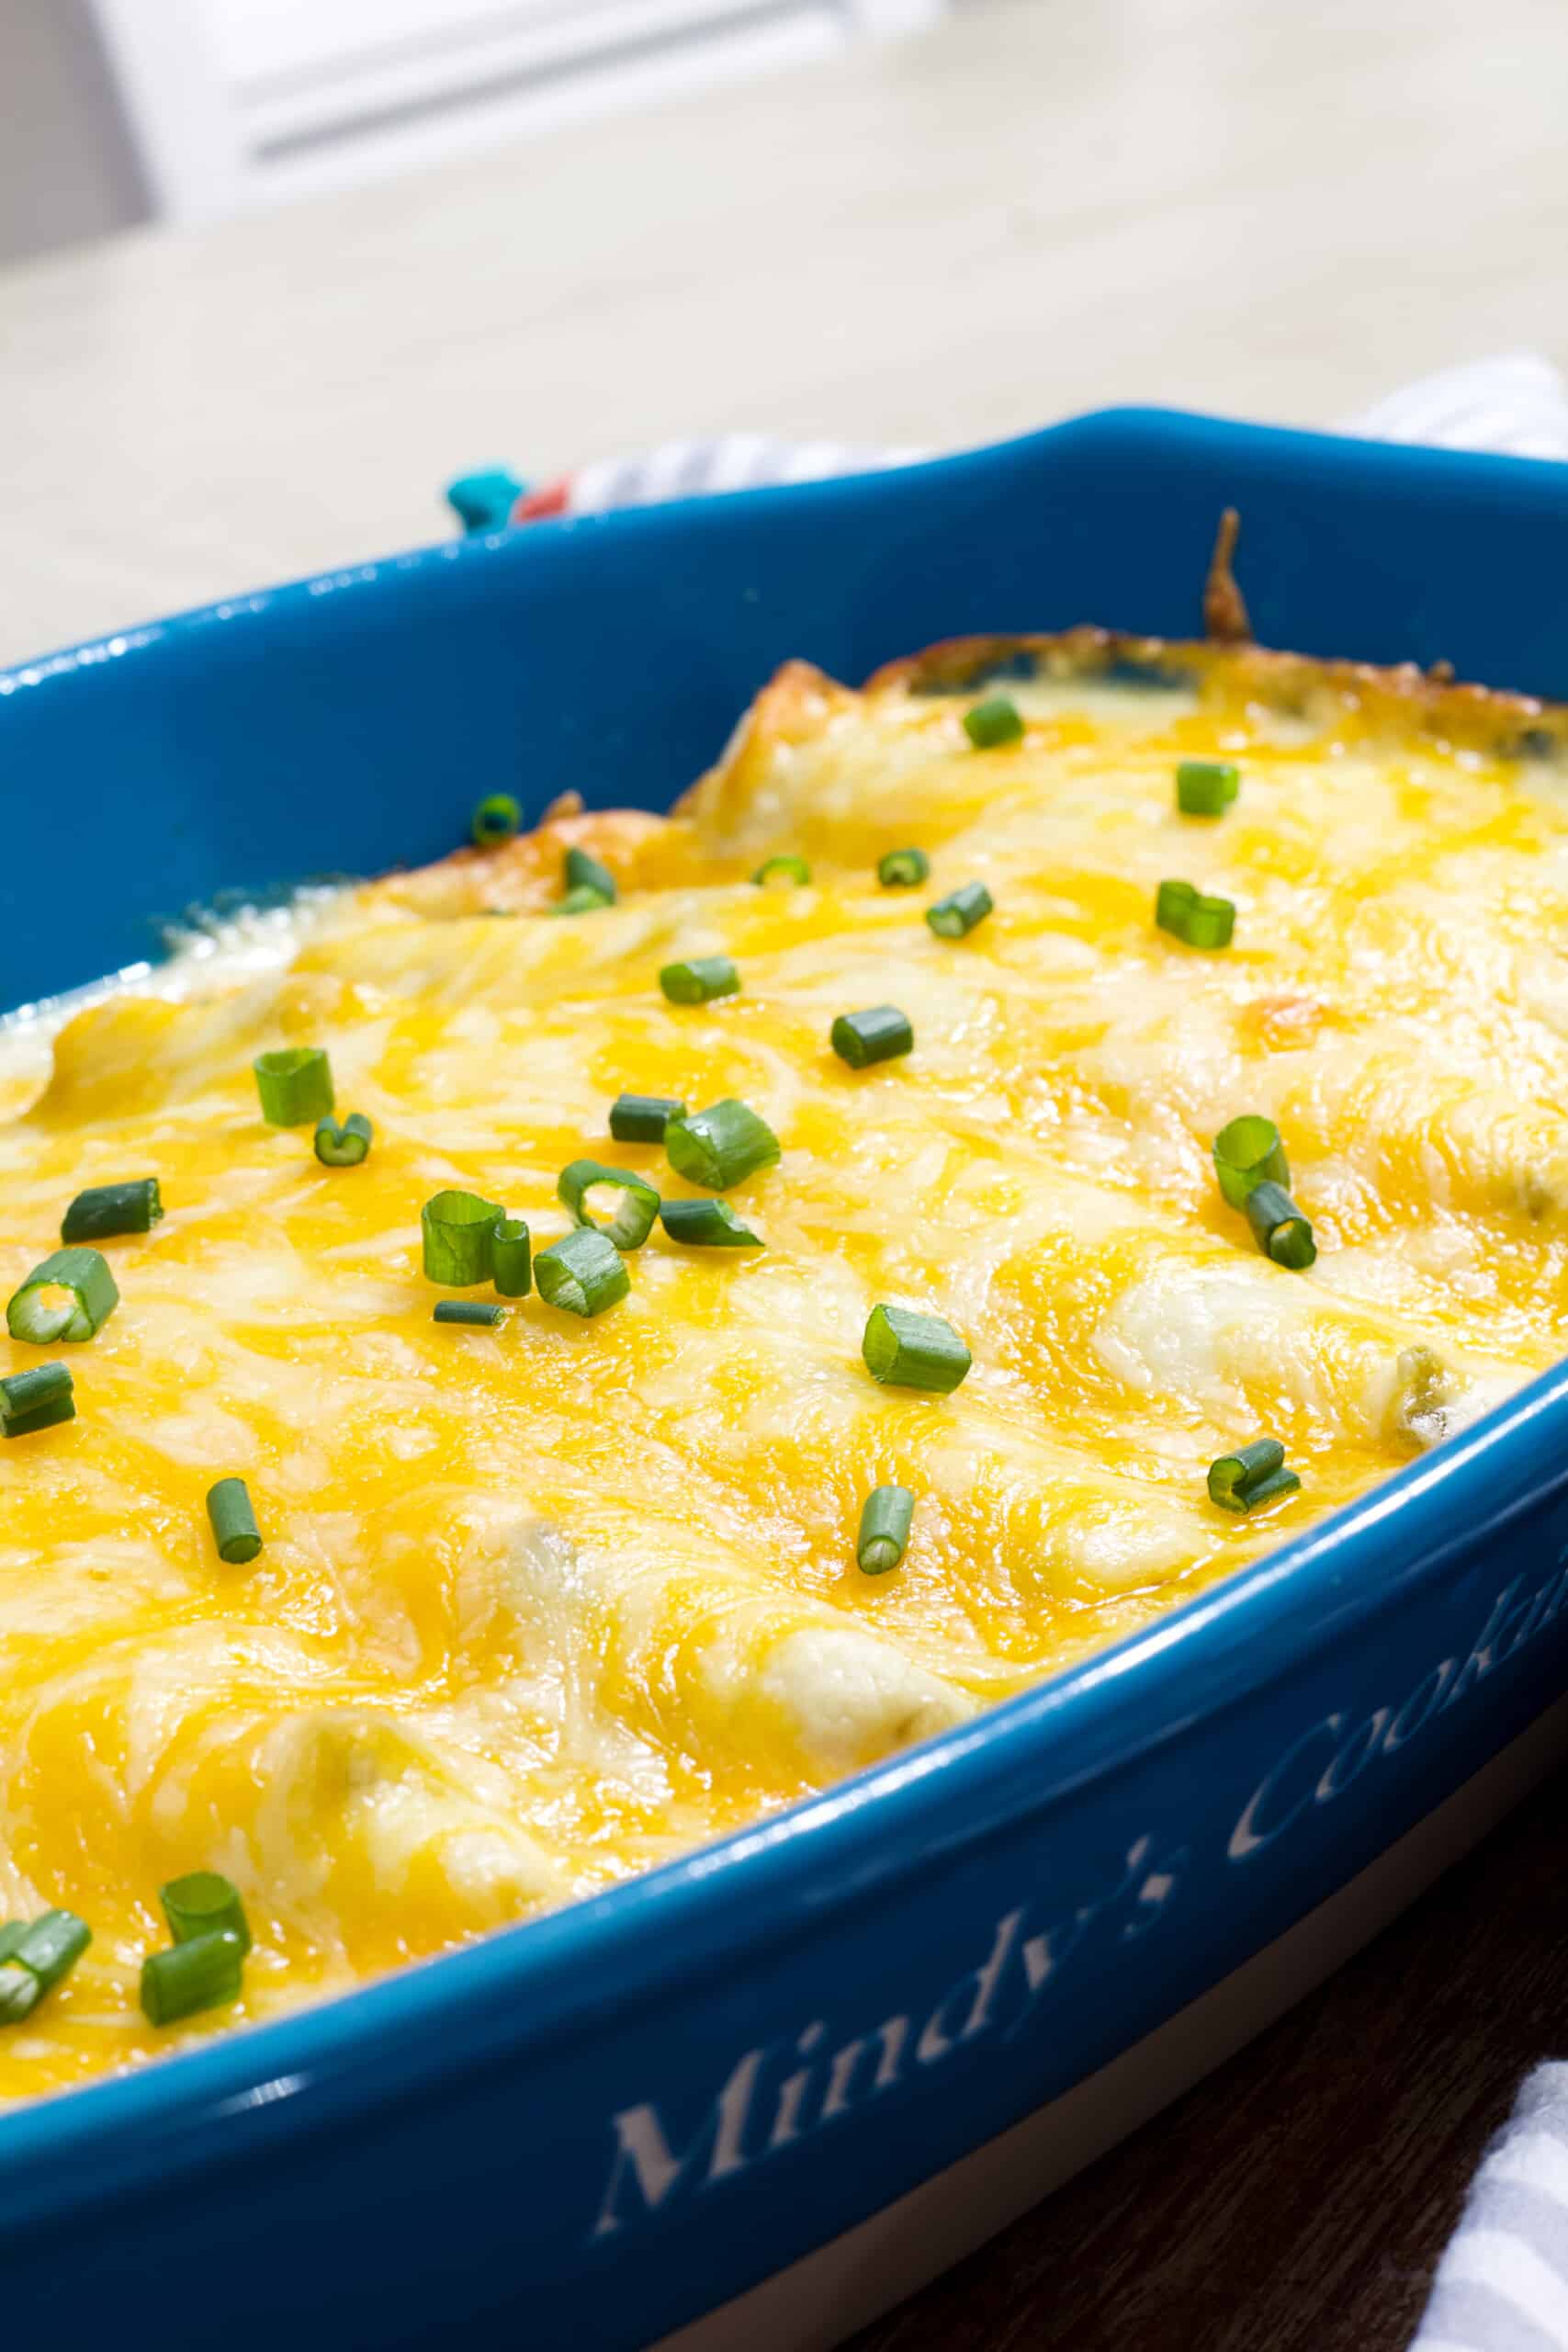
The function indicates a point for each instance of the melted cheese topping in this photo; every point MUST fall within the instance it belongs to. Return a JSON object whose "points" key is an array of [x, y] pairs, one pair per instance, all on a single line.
{"points": [[541, 1607]]}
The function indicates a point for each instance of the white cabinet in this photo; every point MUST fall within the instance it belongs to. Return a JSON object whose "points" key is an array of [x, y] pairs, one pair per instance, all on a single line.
{"points": [[231, 102]]}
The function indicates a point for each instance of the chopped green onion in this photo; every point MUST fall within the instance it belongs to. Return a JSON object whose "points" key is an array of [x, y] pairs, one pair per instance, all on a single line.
{"points": [[106, 1210], [631, 1220], [513, 1274], [699, 981], [1281, 1230], [885, 1524], [994, 721], [960, 911], [583, 900], [1249, 1152], [709, 1224], [34, 1955], [583, 1273], [205, 1973], [295, 1085], [481, 1313], [1252, 1475], [202, 1904], [1182, 909], [71, 1297], [719, 1147], [346, 1146], [1284, 1482], [907, 1351], [496, 818], [582, 872], [1206, 788], [459, 1231], [782, 869], [20, 1993], [48, 1946], [36, 1400], [902, 869], [234, 1529], [642, 1118], [875, 1036]]}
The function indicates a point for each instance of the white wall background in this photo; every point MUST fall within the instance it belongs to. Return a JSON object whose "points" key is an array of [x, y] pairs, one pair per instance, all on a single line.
{"points": [[67, 169], [190, 110]]}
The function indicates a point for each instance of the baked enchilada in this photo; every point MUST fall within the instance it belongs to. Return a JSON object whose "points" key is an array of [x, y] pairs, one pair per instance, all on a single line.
{"points": [[638, 1321]]}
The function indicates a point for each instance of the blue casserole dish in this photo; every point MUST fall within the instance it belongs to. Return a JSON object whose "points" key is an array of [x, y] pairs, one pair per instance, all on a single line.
{"points": [[977, 1963]]}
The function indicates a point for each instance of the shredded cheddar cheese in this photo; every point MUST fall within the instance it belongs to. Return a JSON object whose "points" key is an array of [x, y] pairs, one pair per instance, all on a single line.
{"points": [[539, 1607]]}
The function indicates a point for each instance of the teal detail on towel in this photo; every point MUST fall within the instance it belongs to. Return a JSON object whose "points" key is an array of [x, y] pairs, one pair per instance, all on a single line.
{"points": [[484, 502]]}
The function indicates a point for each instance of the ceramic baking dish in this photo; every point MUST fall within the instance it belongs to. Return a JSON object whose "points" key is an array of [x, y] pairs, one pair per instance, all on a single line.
{"points": [[854, 2039]]}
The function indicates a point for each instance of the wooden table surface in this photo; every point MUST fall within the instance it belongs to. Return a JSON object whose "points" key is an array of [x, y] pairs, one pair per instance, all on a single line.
{"points": [[1297, 2199], [1036, 209]]}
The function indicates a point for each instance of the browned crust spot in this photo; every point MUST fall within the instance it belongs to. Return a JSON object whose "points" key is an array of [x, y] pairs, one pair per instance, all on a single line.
{"points": [[1404, 697], [799, 702], [1225, 610], [524, 876]]}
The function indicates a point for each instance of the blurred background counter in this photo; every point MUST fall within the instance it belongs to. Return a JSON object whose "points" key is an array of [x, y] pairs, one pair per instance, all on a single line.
{"points": [[810, 220]]}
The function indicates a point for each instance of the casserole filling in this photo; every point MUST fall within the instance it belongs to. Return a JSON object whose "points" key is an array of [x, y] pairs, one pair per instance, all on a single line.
{"points": [[886, 1332]]}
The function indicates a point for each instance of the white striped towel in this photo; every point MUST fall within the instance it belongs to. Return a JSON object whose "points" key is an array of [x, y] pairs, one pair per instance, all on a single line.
{"points": [[1502, 2286], [1515, 403]]}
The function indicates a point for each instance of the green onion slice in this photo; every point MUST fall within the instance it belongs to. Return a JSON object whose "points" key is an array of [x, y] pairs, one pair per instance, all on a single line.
{"points": [[642, 1118], [782, 869], [994, 721], [582, 900], [583, 1273], [1182, 909], [346, 1146], [1249, 1152], [481, 1313], [1278, 1227], [903, 869], [20, 1993], [513, 1274], [205, 1973], [582, 872], [1284, 1482], [884, 1523], [496, 818], [1252, 1475], [106, 1210], [1206, 788], [48, 1946], [709, 1224], [960, 911], [630, 1221], [904, 1349], [295, 1085], [71, 1297], [875, 1036], [38, 1399], [719, 1147], [458, 1230], [234, 1529], [700, 980], [204, 1903]]}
